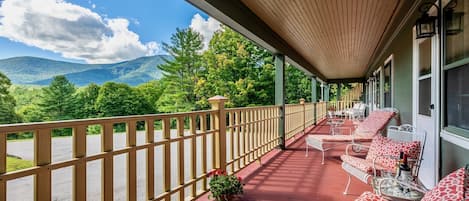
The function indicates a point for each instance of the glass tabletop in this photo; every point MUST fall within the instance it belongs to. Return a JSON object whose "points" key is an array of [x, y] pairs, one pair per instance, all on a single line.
{"points": [[389, 187]]}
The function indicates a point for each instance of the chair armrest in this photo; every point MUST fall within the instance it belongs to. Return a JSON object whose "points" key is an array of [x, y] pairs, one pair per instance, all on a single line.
{"points": [[339, 128], [382, 156], [410, 185], [357, 145]]}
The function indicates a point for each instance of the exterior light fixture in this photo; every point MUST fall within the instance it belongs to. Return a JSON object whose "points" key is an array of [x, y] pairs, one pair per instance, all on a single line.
{"points": [[453, 20], [426, 24]]}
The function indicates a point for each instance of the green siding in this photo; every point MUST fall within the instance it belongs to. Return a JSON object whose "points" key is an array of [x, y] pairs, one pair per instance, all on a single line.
{"points": [[401, 49], [452, 157]]}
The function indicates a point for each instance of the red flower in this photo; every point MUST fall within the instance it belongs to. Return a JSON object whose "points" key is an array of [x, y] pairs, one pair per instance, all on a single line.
{"points": [[240, 179]]}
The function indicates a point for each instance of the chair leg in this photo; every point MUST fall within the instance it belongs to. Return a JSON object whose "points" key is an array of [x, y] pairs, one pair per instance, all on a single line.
{"points": [[306, 150], [322, 162], [348, 185]]}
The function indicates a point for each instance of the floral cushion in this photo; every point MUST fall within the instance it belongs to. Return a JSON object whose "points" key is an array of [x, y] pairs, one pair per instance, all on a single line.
{"points": [[369, 196], [449, 188], [361, 164], [381, 146], [375, 122]]}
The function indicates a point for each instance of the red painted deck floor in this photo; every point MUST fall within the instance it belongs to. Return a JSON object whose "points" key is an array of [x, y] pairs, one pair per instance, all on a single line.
{"points": [[289, 175]]}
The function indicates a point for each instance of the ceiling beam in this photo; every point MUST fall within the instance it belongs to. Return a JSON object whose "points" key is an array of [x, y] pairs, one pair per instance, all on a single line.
{"points": [[236, 15], [347, 80]]}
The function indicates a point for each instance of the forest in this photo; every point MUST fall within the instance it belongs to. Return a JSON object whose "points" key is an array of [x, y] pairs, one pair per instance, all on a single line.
{"points": [[231, 66]]}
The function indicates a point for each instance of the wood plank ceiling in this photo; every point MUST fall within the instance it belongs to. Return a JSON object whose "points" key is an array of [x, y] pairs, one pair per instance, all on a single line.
{"points": [[337, 36]]}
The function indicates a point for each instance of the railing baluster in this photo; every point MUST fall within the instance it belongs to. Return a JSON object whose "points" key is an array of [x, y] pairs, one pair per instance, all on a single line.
{"points": [[108, 163], [79, 173], [132, 161], [245, 139], [3, 165], [167, 158], [150, 139], [203, 129], [238, 137], [180, 146], [193, 132], [232, 133], [42, 157]]}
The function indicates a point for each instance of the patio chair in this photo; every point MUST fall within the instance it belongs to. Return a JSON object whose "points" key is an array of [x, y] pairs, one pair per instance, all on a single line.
{"points": [[454, 186], [365, 131], [358, 111], [383, 153]]}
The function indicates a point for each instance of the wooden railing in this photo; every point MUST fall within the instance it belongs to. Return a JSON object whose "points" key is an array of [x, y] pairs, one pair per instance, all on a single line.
{"points": [[180, 150]]}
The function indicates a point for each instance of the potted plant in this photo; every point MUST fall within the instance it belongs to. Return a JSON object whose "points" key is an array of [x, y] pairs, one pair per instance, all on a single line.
{"points": [[224, 187]]}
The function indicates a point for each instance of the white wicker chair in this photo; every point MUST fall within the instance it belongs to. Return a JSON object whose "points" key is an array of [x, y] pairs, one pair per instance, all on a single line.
{"points": [[404, 133]]}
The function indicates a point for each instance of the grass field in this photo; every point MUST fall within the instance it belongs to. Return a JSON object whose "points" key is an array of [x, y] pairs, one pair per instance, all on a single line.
{"points": [[17, 164]]}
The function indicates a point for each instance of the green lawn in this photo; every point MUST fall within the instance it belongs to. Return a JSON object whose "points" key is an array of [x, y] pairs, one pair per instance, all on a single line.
{"points": [[17, 164]]}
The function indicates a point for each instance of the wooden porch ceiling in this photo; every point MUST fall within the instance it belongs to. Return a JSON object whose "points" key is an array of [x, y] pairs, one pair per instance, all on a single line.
{"points": [[333, 39]]}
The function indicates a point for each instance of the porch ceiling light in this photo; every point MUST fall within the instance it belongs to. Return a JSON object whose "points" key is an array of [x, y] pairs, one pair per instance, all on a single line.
{"points": [[453, 20], [426, 24]]}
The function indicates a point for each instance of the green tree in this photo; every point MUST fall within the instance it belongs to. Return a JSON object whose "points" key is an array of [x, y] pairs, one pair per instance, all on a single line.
{"points": [[298, 85], [86, 100], [116, 99], [237, 69], [31, 113], [58, 100], [152, 92], [182, 73], [7, 102]]}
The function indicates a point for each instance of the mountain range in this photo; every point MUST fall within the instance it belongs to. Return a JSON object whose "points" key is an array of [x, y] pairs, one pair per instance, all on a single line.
{"points": [[39, 71]]}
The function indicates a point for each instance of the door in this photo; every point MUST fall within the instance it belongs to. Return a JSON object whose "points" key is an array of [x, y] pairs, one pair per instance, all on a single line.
{"points": [[425, 97]]}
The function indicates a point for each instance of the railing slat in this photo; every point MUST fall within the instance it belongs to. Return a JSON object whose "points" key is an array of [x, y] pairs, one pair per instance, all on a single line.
{"points": [[79, 151], [108, 163], [150, 138], [167, 159], [3, 165], [132, 161], [180, 159], [42, 157], [193, 130], [203, 129]]}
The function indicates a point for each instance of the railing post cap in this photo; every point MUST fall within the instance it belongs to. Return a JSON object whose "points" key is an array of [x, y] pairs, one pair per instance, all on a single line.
{"points": [[217, 98], [302, 101]]}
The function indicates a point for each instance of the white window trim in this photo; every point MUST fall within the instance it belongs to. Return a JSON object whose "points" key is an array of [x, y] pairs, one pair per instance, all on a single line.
{"points": [[390, 59]]}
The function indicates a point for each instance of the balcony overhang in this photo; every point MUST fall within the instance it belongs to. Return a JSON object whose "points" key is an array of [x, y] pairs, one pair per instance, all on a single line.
{"points": [[330, 39]]}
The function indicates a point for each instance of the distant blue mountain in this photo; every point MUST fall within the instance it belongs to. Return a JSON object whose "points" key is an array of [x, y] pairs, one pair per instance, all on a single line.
{"points": [[40, 71]]}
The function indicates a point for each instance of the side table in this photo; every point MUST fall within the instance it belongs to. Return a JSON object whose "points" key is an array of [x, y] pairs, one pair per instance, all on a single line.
{"points": [[393, 189]]}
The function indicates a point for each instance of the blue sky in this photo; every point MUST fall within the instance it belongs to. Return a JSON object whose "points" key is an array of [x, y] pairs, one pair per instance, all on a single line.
{"points": [[95, 31]]}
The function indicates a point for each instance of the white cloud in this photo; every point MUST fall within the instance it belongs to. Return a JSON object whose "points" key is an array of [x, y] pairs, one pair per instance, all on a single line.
{"points": [[73, 31], [205, 27]]}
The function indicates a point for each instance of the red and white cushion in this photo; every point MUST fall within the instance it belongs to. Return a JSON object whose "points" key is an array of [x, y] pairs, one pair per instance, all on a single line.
{"points": [[362, 164], [450, 188], [369, 196], [391, 149]]}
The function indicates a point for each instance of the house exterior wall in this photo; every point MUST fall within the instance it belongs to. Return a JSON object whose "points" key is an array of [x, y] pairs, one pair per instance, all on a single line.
{"points": [[452, 156], [401, 50]]}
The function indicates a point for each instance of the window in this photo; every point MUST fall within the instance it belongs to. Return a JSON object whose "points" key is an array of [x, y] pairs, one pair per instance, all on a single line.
{"points": [[425, 80], [387, 84], [456, 74]]}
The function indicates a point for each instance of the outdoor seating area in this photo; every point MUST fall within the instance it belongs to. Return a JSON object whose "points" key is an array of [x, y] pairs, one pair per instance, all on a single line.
{"points": [[364, 131], [289, 175]]}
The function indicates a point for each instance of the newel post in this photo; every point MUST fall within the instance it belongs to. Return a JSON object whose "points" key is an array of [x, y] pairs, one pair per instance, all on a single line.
{"points": [[302, 102], [218, 103]]}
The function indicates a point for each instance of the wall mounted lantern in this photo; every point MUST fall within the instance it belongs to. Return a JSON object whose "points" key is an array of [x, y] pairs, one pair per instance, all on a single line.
{"points": [[453, 20], [426, 24]]}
